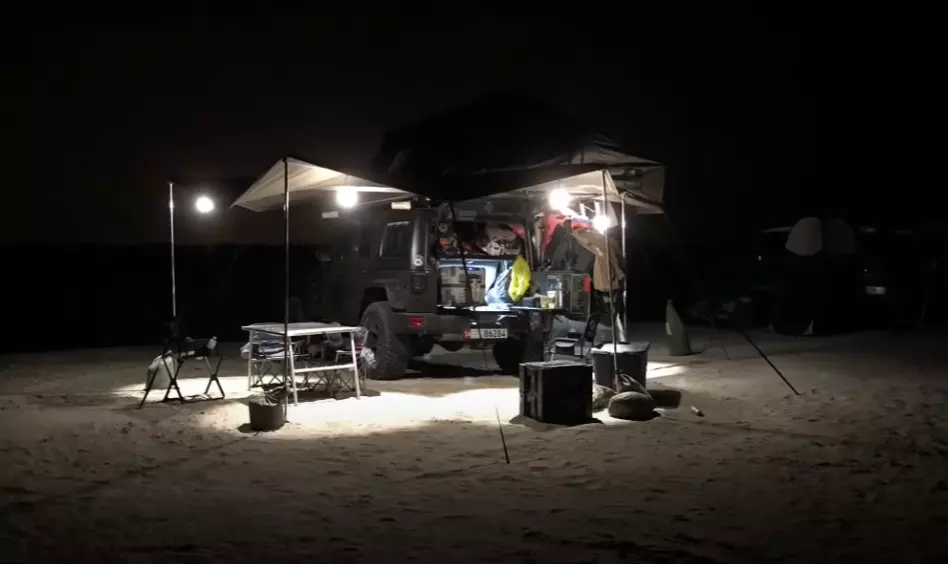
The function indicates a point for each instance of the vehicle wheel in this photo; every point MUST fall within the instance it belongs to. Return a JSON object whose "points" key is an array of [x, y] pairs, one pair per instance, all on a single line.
{"points": [[390, 354], [452, 346], [508, 354]]}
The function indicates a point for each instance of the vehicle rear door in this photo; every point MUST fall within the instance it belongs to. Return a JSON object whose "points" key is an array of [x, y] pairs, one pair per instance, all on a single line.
{"points": [[403, 267]]}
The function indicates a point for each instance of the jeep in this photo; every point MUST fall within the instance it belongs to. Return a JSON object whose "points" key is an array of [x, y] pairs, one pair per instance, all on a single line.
{"points": [[386, 275]]}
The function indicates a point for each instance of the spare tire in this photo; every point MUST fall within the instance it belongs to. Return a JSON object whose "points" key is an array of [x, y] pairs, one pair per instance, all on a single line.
{"points": [[390, 354]]}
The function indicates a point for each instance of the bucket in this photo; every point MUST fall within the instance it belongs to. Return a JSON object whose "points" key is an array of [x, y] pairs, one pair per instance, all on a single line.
{"points": [[267, 411], [632, 360]]}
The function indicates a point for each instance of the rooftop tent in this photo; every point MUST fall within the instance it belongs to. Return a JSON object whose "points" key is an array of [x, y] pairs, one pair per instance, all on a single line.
{"points": [[308, 182], [508, 141]]}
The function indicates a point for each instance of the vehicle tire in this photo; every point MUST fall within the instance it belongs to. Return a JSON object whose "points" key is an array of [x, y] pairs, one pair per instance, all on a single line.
{"points": [[390, 354], [452, 346], [509, 353]]}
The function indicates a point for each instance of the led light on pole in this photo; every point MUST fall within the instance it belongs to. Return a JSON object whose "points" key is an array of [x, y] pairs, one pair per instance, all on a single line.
{"points": [[347, 198], [601, 223], [559, 199], [204, 205]]}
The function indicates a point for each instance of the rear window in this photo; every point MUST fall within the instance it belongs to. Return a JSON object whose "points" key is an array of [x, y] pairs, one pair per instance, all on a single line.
{"points": [[480, 238], [396, 240]]}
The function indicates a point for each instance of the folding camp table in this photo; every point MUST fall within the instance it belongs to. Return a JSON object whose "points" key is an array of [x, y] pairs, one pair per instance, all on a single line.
{"points": [[266, 331]]}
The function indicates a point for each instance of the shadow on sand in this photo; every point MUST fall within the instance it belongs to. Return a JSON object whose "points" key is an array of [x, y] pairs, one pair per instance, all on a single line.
{"points": [[421, 368], [666, 398]]}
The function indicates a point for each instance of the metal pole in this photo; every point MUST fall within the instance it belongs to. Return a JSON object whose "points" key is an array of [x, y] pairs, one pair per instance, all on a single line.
{"points": [[625, 281], [174, 298], [612, 307], [286, 277]]}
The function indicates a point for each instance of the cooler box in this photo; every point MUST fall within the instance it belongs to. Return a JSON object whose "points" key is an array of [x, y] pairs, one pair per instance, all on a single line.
{"points": [[556, 391], [632, 361]]}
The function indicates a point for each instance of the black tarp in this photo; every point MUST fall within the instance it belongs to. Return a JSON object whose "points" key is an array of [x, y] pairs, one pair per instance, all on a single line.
{"points": [[502, 142]]}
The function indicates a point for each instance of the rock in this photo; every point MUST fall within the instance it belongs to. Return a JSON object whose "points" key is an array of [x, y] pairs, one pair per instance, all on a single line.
{"points": [[632, 406], [601, 396]]}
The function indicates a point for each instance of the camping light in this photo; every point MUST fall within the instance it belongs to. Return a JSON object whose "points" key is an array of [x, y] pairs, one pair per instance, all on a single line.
{"points": [[347, 197], [204, 204], [601, 223], [559, 199]]}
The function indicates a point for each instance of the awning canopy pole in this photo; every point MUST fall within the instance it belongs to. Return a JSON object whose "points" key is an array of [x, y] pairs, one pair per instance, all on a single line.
{"points": [[174, 292], [625, 281], [612, 308], [287, 373]]}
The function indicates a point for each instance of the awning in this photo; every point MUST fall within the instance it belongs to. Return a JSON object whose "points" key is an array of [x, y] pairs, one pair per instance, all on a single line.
{"points": [[589, 186], [308, 182]]}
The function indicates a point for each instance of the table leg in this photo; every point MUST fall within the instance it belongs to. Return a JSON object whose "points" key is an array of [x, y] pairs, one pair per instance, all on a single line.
{"points": [[292, 376], [250, 364], [355, 365]]}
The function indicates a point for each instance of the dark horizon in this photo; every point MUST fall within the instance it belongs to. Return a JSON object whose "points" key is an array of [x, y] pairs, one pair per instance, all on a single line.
{"points": [[760, 122]]}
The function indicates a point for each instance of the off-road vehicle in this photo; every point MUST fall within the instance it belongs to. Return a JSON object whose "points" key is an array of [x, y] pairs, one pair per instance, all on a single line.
{"points": [[395, 273]]}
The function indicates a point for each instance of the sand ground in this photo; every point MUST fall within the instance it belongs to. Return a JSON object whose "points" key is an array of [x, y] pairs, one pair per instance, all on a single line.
{"points": [[855, 469]]}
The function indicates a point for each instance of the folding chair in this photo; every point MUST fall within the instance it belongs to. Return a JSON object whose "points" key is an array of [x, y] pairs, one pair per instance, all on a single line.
{"points": [[183, 348], [266, 357], [340, 376]]}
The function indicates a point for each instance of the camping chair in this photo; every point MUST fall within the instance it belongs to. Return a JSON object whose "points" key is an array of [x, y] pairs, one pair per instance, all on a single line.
{"points": [[345, 376], [181, 348], [266, 361]]}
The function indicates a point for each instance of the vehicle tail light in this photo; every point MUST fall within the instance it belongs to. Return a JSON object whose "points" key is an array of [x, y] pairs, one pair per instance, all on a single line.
{"points": [[416, 322]]}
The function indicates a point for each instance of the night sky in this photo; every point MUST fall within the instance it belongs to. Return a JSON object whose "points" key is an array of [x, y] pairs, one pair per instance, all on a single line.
{"points": [[759, 118]]}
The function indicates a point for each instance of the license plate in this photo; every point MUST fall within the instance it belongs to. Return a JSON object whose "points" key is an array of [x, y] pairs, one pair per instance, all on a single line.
{"points": [[485, 334]]}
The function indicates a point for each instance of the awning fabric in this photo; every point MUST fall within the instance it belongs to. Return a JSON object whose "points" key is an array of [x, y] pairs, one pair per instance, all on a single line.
{"points": [[308, 182]]}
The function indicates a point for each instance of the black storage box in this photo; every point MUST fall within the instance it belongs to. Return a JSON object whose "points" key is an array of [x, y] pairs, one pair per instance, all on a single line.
{"points": [[632, 360], [556, 391]]}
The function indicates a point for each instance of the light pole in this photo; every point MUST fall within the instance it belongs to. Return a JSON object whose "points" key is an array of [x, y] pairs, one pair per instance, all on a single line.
{"points": [[204, 205]]}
